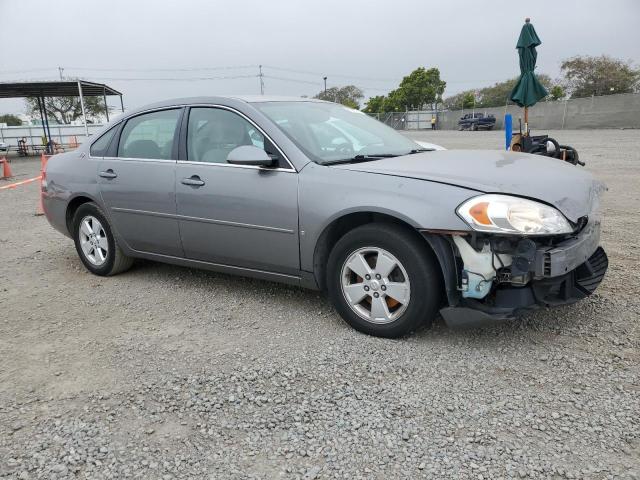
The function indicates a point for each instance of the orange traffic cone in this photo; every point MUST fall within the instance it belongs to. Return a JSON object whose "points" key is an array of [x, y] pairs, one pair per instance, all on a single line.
{"points": [[6, 169]]}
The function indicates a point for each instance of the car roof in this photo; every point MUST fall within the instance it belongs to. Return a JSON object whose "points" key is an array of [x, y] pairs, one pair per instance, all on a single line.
{"points": [[224, 99], [273, 98]]}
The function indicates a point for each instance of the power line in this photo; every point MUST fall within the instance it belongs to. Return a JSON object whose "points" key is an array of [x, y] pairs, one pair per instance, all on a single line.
{"points": [[31, 70], [261, 75], [307, 72], [293, 80], [319, 84], [144, 69], [196, 69], [173, 79]]}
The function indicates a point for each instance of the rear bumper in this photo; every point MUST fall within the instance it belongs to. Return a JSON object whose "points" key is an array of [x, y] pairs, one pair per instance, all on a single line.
{"points": [[55, 210], [578, 280]]}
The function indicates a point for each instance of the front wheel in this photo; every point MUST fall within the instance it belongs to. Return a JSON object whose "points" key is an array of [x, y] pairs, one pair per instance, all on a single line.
{"points": [[383, 281], [97, 247]]}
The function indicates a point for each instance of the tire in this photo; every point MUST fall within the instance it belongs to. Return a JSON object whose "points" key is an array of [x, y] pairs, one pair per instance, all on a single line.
{"points": [[100, 252], [416, 265]]}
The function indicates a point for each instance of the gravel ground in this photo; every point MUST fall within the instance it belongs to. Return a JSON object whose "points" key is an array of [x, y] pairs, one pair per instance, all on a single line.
{"points": [[165, 372]]}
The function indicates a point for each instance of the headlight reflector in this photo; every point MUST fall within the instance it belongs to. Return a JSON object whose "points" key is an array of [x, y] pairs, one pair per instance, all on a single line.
{"points": [[512, 215]]}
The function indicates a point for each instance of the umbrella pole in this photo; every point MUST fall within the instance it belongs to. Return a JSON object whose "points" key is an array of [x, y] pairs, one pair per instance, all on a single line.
{"points": [[526, 121]]}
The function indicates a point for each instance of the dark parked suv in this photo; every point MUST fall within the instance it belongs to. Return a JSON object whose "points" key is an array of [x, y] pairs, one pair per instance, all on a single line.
{"points": [[476, 121]]}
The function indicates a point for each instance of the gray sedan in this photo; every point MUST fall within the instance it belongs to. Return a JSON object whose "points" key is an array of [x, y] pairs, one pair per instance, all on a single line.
{"points": [[315, 194]]}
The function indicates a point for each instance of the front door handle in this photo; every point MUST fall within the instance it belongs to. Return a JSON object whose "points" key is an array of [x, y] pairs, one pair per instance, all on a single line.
{"points": [[193, 180], [108, 174]]}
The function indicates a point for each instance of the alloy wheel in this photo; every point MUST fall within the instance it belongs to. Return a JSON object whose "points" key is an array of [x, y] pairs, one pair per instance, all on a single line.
{"points": [[93, 240], [375, 285]]}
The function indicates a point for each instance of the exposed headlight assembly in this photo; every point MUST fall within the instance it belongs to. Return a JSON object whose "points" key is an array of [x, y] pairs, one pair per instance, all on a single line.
{"points": [[512, 215]]}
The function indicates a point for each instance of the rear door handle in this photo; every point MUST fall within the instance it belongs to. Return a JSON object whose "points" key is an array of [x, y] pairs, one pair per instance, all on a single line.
{"points": [[193, 180], [108, 174]]}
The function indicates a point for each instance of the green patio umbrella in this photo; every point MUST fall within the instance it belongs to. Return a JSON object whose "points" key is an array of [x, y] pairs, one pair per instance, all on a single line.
{"points": [[528, 91]]}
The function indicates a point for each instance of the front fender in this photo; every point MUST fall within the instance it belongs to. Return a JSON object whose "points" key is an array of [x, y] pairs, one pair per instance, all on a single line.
{"points": [[327, 194]]}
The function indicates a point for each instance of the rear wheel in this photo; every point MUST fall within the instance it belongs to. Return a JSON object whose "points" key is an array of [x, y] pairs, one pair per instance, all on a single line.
{"points": [[383, 281], [97, 247]]}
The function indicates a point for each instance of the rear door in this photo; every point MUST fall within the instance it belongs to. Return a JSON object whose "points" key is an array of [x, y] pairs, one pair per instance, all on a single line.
{"points": [[229, 214], [137, 182]]}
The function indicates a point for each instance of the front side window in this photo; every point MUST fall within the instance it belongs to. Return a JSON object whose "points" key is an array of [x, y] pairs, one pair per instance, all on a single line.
{"points": [[327, 132], [213, 132], [149, 135], [100, 146]]}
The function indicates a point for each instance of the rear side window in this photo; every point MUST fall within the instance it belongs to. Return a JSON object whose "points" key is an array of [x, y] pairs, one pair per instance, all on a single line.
{"points": [[100, 146], [149, 135]]}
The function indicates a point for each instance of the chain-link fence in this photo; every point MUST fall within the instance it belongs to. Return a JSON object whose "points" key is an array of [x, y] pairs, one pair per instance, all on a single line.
{"points": [[411, 120], [397, 120]]}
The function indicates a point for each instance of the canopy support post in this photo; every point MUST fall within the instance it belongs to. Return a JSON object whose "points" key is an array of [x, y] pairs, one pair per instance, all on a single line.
{"points": [[46, 121], [84, 114], [106, 107], [44, 127], [121, 104]]}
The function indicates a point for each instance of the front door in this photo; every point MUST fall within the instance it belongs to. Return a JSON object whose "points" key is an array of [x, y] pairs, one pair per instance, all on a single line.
{"points": [[138, 184], [235, 215]]}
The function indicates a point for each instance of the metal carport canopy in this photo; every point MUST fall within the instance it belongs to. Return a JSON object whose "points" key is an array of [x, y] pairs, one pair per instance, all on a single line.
{"points": [[62, 88], [59, 88]]}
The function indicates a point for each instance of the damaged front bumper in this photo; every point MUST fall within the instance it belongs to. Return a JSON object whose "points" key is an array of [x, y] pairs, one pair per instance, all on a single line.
{"points": [[525, 275]]}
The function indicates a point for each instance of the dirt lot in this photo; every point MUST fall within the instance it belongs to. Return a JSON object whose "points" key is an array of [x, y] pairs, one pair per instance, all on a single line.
{"points": [[166, 372]]}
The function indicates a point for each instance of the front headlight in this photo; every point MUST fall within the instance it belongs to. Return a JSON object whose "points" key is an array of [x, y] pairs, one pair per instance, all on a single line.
{"points": [[512, 215]]}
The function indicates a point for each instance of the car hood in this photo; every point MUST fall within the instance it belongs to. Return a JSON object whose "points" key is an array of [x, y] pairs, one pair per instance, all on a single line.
{"points": [[569, 188]]}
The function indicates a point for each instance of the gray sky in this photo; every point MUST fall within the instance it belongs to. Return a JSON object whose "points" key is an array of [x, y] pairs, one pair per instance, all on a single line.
{"points": [[371, 44]]}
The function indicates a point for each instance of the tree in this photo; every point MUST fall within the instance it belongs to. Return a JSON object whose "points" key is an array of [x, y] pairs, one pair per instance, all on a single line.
{"points": [[374, 104], [395, 101], [421, 87], [459, 101], [10, 120], [586, 75], [67, 109], [469, 100], [349, 96], [557, 92], [496, 95]]}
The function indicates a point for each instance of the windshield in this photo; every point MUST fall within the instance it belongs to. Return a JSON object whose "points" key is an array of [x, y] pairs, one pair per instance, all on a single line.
{"points": [[328, 132]]}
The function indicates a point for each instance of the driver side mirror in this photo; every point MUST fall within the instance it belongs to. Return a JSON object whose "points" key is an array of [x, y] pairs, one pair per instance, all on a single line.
{"points": [[249, 155]]}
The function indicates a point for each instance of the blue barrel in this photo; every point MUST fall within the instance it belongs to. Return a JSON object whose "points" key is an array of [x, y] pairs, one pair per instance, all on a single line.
{"points": [[508, 130]]}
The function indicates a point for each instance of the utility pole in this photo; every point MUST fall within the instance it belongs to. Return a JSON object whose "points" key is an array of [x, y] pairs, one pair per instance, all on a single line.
{"points": [[325, 84], [60, 70], [261, 80]]}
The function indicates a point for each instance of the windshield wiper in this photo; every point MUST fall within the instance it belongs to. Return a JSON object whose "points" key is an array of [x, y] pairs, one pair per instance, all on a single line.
{"points": [[361, 158], [418, 150]]}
